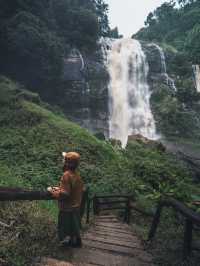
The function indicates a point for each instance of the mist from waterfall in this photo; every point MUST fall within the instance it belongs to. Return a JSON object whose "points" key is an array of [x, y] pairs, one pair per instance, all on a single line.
{"points": [[129, 94]]}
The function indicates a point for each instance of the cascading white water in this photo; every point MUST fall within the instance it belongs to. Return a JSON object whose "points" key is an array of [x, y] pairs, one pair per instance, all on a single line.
{"points": [[170, 82], [130, 111], [196, 71]]}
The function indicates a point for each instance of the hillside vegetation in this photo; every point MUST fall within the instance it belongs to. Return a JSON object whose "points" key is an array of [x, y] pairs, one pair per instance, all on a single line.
{"points": [[36, 36], [176, 23], [31, 141], [175, 27]]}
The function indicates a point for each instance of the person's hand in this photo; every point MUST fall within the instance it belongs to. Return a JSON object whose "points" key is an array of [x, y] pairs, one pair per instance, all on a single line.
{"points": [[51, 189], [55, 193]]}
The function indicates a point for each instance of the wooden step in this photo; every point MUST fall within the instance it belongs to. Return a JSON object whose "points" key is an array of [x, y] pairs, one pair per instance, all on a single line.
{"points": [[107, 220], [111, 241], [108, 242], [103, 258], [119, 250], [109, 235], [113, 230], [113, 225]]}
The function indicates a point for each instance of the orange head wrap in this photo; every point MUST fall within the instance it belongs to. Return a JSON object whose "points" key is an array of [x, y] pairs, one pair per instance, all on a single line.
{"points": [[71, 156]]}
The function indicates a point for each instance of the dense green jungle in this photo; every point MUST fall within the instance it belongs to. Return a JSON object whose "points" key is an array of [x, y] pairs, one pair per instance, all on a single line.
{"points": [[36, 127]]}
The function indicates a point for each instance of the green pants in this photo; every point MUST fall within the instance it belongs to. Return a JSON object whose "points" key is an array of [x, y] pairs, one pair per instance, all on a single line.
{"points": [[69, 224]]}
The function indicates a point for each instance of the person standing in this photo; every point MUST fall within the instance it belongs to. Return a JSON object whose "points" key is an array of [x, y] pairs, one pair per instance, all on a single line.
{"points": [[69, 196]]}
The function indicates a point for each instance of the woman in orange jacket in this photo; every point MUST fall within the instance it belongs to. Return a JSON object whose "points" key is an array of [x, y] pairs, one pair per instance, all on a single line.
{"points": [[69, 196]]}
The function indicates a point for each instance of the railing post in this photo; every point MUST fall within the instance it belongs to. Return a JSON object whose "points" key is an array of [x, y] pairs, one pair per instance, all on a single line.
{"points": [[95, 205], [187, 246], [88, 211], [127, 211], [155, 222], [84, 202]]}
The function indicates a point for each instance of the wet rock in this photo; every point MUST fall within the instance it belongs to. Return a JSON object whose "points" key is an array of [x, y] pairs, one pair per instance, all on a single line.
{"points": [[153, 58], [151, 143], [83, 94], [115, 143]]}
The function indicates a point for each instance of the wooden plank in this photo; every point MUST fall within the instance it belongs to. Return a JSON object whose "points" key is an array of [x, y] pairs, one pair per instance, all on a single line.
{"points": [[107, 223], [131, 239], [113, 225], [114, 235], [110, 202], [106, 259], [118, 250], [107, 219], [111, 241], [108, 229], [81, 264], [111, 208], [16, 195], [107, 247], [106, 216], [113, 196], [99, 218]]}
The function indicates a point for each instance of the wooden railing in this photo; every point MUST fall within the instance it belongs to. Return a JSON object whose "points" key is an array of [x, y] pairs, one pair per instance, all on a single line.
{"points": [[117, 202], [126, 203], [121, 202], [110, 203], [17, 194], [191, 219]]}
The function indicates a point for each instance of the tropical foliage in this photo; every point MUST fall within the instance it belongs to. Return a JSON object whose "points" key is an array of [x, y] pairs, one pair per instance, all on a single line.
{"points": [[176, 23], [35, 36]]}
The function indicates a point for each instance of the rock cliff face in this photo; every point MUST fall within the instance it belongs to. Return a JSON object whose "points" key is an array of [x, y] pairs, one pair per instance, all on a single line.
{"points": [[158, 73], [83, 95]]}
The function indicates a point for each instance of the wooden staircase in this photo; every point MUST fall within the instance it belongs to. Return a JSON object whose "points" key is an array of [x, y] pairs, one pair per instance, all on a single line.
{"points": [[108, 242]]}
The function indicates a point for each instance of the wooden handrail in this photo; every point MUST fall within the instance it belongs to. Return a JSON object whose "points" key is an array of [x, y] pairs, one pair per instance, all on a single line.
{"points": [[112, 202], [16, 194], [123, 204], [114, 196], [181, 208], [191, 218]]}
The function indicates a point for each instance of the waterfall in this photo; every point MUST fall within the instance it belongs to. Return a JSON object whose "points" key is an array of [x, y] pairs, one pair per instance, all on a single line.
{"points": [[196, 71], [76, 54], [129, 94], [169, 81]]}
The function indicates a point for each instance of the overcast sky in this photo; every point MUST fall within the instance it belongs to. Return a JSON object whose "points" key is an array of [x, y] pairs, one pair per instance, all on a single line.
{"points": [[129, 15]]}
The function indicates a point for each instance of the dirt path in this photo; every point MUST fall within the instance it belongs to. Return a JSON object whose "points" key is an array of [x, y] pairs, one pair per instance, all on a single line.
{"points": [[108, 242]]}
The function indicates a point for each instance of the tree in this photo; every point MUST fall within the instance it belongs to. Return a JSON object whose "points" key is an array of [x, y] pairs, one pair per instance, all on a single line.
{"points": [[151, 20], [36, 35], [114, 33], [102, 13], [192, 44], [38, 50]]}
